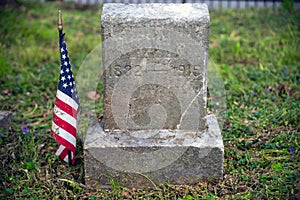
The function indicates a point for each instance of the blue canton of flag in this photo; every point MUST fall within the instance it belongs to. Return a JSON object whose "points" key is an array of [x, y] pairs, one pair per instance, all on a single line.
{"points": [[66, 109], [66, 82]]}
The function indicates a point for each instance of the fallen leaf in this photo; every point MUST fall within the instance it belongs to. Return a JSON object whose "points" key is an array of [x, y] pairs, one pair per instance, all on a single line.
{"points": [[235, 103], [93, 95], [13, 155], [272, 33], [215, 43], [5, 92], [125, 193]]}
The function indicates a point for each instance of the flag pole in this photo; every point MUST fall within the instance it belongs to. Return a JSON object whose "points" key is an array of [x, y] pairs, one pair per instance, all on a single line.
{"points": [[60, 24], [60, 33], [60, 28]]}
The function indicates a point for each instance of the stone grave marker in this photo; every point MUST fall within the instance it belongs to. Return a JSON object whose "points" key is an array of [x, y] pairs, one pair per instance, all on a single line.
{"points": [[156, 128], [5, 120]]}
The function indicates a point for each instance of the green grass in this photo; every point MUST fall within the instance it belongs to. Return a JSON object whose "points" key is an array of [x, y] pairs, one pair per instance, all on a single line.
{"points": [[257, 52]]}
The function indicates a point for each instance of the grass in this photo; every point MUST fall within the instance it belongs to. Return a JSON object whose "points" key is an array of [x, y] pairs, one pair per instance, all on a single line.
{"points": [[257, 54]]}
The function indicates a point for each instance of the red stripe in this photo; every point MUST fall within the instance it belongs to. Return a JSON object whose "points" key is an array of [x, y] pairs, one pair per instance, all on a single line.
{"points": [[64, 142], [64, 125], [65, 107], [64, 153]]}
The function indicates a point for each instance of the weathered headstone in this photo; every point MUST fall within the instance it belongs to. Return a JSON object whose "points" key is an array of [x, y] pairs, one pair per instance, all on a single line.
{"points": [[156, 128], [5, 120]]}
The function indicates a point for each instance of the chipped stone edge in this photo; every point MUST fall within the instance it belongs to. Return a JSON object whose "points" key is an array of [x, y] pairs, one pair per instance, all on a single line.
{"points": [[97, 137]]}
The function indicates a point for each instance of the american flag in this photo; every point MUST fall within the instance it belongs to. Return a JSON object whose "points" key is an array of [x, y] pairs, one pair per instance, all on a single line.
{"points": [[66, 108]]}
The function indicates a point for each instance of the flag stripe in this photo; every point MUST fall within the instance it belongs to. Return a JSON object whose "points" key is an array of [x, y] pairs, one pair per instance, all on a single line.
{"points": [[64, 134], [64, 125], [65, 116], [66, 108], [60, 150], [68, 100], [64, 142], [66, 157], [64, 154]]}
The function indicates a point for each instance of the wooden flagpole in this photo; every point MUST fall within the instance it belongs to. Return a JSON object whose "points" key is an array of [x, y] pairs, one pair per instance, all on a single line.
{"points": [[60, 24]]}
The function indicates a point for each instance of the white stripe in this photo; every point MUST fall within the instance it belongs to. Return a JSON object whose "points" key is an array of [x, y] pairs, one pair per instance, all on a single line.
{"points": [[65, 116], [60, 149], [64, 134], [68, 100], [66, 158]]}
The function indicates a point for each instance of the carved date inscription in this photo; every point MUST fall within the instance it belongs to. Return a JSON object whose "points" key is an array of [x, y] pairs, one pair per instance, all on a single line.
{"points": [[183, 70], [138, 65]]}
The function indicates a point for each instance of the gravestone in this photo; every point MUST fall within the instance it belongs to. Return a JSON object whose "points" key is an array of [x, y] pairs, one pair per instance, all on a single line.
{"points": [[155, 126], [5, 120]]}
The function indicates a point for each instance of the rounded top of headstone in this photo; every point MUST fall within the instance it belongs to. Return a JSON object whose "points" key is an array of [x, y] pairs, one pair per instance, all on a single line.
{"points": [[125, 13]]}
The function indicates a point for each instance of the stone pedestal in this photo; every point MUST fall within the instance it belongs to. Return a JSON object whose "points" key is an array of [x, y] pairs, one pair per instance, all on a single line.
{"points": [[175, 157], [155, 126]]}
